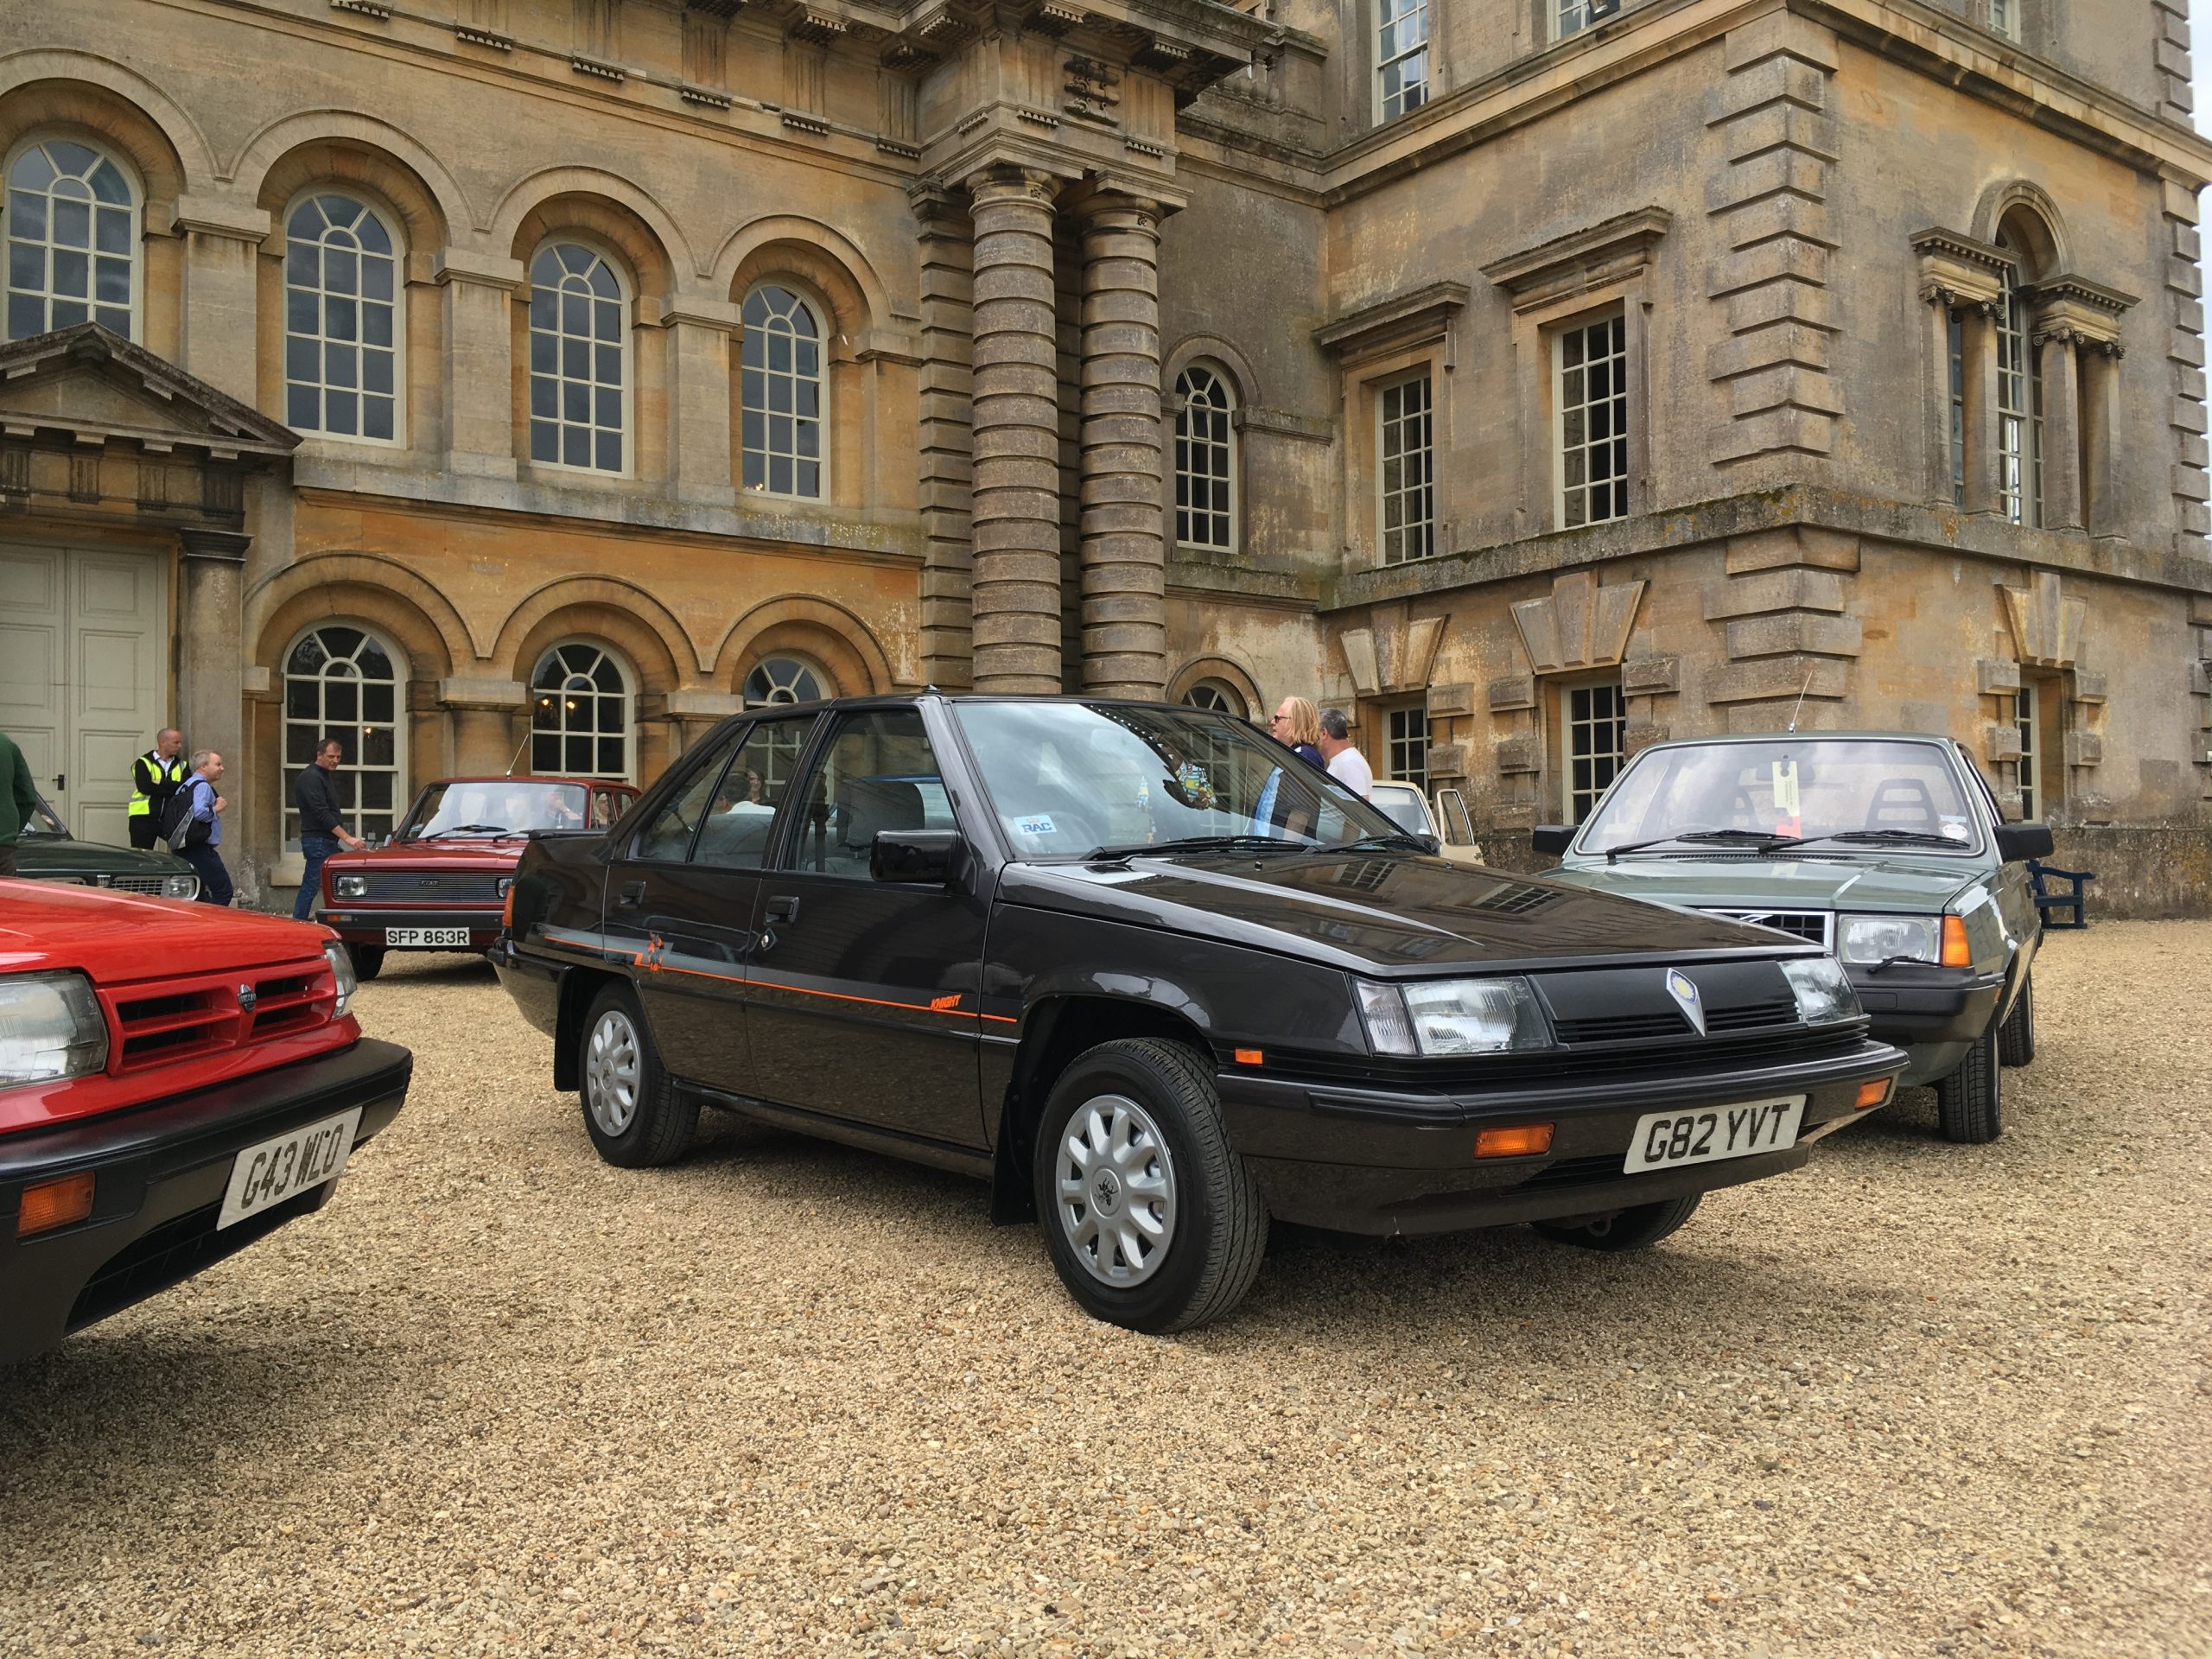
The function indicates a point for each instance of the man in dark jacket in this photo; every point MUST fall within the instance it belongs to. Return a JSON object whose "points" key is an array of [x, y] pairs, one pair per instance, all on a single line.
{"points": [[155, 777], [322, 824], [18, 800]]}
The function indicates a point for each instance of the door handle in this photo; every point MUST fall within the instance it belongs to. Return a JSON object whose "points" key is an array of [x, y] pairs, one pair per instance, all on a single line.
{"points": [[634, 892], [785, 909], [61, 783]]}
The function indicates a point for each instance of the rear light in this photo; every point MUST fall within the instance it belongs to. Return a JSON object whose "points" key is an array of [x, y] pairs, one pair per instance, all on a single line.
{"points": [[1522, 1140], [54, 1203], [1956, 953], [1876, 1093], [507, 910]]}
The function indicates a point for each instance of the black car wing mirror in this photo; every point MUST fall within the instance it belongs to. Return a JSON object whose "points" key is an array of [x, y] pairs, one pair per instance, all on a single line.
{"points": [[916, 856], [1552, 838], [2016, 842]]}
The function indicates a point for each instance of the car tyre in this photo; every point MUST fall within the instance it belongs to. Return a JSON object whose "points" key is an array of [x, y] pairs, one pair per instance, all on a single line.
{"points": [[1969, 1104], [1132, 1157], [635, 1116], [368, 961], [2016, 1038], [1636, 1228]]}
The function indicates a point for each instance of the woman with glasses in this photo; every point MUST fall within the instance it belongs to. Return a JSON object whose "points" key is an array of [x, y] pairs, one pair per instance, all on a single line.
{"points": [[1297, 725]]}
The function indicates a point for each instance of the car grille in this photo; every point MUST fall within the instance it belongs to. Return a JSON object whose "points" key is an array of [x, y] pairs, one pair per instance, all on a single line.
{"points": [[182, 1019], [137, 884], [1694, 1057], [430, 888], [1634, 1027], [1814, 926]]}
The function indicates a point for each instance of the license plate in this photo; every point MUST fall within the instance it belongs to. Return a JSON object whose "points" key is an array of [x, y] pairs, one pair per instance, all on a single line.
{"points": [[290, 1165], [427, 935], [1664, 1140]]}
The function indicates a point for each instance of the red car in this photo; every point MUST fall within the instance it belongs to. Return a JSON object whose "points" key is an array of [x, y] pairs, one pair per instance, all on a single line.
{"points": [[175, 1081], [440, 882]]}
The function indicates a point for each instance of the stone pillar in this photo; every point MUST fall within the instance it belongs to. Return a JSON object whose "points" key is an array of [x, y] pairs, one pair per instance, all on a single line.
{"points": [[1123, 525], [2102, 509], [1985, 487], [2062, 429], [221, 242], [479, 369], [699, 399], [946, 433], [483, 724], [211, 657], [1015, 587]]}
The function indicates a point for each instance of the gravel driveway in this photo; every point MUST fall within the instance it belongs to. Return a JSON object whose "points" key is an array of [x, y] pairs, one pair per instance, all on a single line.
{"points": [[497, 1399]]}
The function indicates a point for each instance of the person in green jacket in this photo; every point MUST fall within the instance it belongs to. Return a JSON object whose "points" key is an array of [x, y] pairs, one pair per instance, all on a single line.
{"points": [[18, 800]]}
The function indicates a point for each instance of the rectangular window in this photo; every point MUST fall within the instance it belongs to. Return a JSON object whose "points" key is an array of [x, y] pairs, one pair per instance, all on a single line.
{"points": [[2019, 413], [1572, 17], [1591, 392], [2005, 17], [1408, 747], [2023, 716], [1958, 412], [1401, 55], [1407, 497], [1596, 741]]}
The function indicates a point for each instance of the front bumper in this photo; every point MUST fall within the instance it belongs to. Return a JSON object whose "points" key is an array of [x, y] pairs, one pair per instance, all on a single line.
{"points": [[1933, 1013], [1387, 1162], [357, 925], [160, 1172]]}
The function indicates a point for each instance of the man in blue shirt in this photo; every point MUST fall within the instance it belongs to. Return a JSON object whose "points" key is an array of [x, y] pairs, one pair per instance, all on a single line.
{"points": [[203, 830]]}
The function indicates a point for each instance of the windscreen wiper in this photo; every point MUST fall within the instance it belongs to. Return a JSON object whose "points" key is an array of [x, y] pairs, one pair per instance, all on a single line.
{"points": [[467, 830], [1393, 838], [1206, 844], [1769, 841], [1919, 836]]}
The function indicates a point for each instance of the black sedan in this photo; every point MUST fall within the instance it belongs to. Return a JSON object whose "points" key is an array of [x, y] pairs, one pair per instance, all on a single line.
{"points": [[1159, 981]]}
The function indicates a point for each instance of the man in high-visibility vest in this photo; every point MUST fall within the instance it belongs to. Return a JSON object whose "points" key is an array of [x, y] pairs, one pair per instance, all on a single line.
{"points": [[155, 776]]}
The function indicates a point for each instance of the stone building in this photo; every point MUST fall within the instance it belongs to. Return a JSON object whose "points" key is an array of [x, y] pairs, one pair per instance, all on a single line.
{"points": [[533, 382]]}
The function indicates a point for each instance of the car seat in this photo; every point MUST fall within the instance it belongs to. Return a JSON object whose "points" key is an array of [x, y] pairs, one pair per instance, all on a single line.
{"points": [[1903, 804], [866, 805]]}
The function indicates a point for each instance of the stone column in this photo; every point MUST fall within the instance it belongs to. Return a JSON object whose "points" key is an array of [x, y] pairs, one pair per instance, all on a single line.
{"points": [[699, 399], [210, 663], [2102, 508], [946, 433], [1985, 487], [222, 241], [1015, 587], [2062, 429], [484, 723], [1123, 525], [479, 369]]}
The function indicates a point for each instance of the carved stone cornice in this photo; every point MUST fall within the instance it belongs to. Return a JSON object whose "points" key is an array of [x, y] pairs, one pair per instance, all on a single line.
{"points": [[1404, 319], [1594, 256], [2077, 311], [1960, 273]]}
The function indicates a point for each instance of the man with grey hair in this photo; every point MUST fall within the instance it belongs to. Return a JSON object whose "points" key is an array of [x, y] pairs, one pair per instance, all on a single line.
{"points": [[198, 831], [1345, 763]]}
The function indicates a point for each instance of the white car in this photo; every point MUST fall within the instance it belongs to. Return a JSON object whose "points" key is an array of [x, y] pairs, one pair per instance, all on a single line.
{"points": [[1406, 807]]}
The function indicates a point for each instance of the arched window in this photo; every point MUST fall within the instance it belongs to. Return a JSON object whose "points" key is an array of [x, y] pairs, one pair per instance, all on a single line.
{"points": [[2019, 401], [1215, 698], [782, 679], [781, 402], [341, 682], [579, 713], [342, 320], [579, 353], [1205, 458], [72, 240]]}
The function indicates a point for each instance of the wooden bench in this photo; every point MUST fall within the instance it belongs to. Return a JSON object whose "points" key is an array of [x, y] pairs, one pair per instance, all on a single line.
{"points": [[2072, 897]]}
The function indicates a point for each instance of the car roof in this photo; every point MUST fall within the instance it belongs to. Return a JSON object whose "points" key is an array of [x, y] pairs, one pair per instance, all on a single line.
{"points": [[1820, 736], [535, 778]]}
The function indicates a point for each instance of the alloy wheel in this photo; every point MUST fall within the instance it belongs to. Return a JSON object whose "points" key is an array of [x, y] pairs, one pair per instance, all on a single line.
{"points": [[1115, 1191], [612, 1070]]}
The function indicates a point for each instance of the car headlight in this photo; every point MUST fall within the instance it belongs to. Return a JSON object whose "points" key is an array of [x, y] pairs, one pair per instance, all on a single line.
{"points": [[501, 885], [342, 973], [1865, 940], [51, 1027], [180, 886], [1824, 992], [1453, 1016], [351, 887]]}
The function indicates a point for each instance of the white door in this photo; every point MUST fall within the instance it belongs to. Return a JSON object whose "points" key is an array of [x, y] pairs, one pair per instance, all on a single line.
{"points": [[84, 681]]}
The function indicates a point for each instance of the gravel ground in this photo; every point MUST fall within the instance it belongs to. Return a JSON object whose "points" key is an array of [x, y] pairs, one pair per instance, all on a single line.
{"points": [[783, 1398]]}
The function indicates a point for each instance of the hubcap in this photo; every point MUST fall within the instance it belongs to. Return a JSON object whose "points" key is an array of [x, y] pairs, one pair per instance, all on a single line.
{"points": [[612, 1066], [1116, 1191]]}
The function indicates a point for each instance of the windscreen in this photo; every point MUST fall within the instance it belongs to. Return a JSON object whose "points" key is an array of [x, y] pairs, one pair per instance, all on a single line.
{"points": [[43, 823], [1403, 805], [1068, 779], [1805, 788], [472, 808]]}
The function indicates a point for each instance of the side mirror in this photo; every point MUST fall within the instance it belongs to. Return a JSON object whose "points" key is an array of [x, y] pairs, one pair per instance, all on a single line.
{"points": [[2016, 842], [1430, 844], [917, 856], [1552, 838]]}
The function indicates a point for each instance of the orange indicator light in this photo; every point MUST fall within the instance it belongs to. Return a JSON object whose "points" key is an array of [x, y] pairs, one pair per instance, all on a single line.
{"points": [[1876, 1093], [1522, 1140], [54, 1203], [1250, 1056], [1956, 952]]}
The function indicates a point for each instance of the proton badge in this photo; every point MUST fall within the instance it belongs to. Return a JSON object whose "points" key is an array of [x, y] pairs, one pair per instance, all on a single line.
{"points": [[1683, 989], [246, 999]]}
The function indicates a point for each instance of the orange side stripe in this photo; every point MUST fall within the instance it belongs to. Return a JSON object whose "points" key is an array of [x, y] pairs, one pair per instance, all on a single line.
{"points": [[936, 1004]]}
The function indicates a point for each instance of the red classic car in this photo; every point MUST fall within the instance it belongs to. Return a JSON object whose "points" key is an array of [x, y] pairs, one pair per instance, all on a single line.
{"points": [[175, 1083], [440, 882]]}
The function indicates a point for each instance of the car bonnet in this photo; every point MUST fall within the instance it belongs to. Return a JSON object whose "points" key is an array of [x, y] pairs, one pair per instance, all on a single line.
{"points": [[1859, 882]]}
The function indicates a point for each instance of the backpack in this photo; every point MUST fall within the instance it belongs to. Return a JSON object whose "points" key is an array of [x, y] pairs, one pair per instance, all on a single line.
{"points": [[179, 827]]}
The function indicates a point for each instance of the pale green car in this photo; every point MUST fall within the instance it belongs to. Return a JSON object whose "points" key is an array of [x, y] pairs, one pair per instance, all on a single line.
{"points": [[1888, 848]]}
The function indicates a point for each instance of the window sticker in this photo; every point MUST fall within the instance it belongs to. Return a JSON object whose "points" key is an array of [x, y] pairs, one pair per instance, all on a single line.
{"points": [[1785, 788], [1039, 825]]}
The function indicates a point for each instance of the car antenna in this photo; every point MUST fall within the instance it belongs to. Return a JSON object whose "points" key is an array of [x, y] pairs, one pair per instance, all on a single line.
{"points": [[519, 748], [1800, 708]]}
